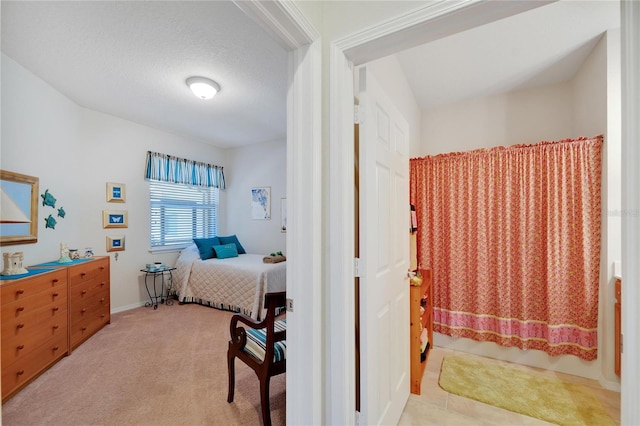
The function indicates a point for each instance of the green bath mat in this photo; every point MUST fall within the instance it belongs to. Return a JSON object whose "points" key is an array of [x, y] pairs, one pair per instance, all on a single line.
{"points": [[533, 395]]}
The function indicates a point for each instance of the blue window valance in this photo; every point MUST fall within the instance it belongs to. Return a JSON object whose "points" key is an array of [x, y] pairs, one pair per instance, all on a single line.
{"points": [[167, 168]]}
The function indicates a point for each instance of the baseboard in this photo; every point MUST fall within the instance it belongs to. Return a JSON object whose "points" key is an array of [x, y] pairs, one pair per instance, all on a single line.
{"points": [[127, 307], [567, 364], [611, 385]]}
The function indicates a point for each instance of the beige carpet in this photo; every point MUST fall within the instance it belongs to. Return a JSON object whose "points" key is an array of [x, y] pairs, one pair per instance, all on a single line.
{"points": [[533, 395], [148, 367]]}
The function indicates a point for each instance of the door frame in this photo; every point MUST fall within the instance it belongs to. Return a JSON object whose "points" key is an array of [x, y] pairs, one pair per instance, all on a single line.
{"points": [[411, 29], [304, 381], [324, 391]]}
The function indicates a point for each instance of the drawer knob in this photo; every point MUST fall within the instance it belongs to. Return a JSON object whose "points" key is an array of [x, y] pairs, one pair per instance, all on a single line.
{"points": [[21, 325], [83, 310], [55, 280], [20, 372], [55, 308], [82, 274], [20, 308], [83, 292], [20, 291], [56, 294], [102, 284], [83, 328], [55, 348], [20, 347]]}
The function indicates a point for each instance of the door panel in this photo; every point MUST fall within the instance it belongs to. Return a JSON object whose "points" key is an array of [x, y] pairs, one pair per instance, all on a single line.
{"points": [[384, 252]]}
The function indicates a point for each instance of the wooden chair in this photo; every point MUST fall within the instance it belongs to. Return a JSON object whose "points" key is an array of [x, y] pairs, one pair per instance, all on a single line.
{"points": [[262, 346]]}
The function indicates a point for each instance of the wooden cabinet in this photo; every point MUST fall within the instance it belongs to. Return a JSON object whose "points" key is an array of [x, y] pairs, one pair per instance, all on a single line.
{"points": [[421, 334], [35, 332], [47, 315], [618, 327], [89, 299]]}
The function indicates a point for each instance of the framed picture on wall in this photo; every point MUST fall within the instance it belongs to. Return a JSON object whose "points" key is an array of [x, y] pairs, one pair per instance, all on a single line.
{"points": [[116, 192], [115, 243], [283, 215], [114, 219], [18, 208], [261, 203]]}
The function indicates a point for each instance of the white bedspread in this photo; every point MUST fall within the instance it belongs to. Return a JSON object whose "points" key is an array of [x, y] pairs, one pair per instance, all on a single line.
{"points": [[236, 284]]}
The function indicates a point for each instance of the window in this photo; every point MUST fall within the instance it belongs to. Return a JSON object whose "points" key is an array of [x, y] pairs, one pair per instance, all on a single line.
{"points": [[179, 213]]}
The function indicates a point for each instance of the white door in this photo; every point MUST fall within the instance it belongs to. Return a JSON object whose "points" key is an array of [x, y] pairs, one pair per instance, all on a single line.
{"points": [[384, 254]]}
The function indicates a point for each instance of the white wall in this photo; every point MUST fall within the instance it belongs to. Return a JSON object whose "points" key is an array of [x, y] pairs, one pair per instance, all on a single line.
{"points": [[262, 164], [597, 109], [566, 110], [526, 116], [75, 152]]}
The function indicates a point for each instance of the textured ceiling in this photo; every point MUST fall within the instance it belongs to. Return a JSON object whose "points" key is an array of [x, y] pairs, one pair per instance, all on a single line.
{"points": [[131, 60]]}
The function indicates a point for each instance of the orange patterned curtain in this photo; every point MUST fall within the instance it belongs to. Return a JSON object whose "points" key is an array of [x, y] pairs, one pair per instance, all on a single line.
{"points": [[512, 235]]}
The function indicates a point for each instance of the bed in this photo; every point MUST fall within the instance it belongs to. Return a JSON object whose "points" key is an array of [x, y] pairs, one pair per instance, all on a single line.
{"points": [[235, 284]]}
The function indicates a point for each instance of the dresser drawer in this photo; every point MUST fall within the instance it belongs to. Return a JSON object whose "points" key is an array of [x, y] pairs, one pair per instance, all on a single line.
{"points": [[89, 323], [31, 336], [88, 306], [89, 270], [22, 371], [14, 291], [88, 289], [54, 299], [26, 323]]}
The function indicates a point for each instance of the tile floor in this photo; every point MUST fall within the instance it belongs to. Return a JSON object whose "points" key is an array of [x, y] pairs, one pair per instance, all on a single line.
{"points": [[438, 407]]}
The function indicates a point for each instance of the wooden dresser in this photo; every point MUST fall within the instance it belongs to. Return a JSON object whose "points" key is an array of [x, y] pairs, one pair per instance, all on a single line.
{"points": [[35, 332], [47, 315], [89, 299], [421, 334]]}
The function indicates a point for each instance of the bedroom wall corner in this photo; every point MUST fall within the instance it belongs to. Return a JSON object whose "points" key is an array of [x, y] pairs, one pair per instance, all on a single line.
{"points": [[261, 164]]}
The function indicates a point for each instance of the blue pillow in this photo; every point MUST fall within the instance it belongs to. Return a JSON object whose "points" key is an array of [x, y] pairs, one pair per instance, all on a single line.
{"points": [[225, 251], [233, 239], [205, 247]]}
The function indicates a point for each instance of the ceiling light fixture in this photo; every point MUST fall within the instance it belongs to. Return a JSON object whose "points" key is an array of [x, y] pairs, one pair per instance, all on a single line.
{"points": [[203, 87]]}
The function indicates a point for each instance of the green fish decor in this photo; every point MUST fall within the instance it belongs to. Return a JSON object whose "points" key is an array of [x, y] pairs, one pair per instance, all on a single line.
{"points": [[50, 222], [48, 199], [61, 212]]}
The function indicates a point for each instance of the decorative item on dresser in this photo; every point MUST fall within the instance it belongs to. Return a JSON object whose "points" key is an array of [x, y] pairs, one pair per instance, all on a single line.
{"points": [[34, 326], [421, 317], [47, 313]]}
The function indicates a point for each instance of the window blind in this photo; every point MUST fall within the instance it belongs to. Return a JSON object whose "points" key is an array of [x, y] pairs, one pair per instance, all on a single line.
{"points": [[179, 213]]}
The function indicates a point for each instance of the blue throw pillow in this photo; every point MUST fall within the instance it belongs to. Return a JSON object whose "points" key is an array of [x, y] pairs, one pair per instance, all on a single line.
{"points": [[205, 247], [225, 251], [233, 239]]}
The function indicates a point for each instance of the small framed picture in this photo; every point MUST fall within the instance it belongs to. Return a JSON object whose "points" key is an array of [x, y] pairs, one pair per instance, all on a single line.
{"points": [[116, 192], [261, 203], [283, 215], [115, 243], [114, 219]]}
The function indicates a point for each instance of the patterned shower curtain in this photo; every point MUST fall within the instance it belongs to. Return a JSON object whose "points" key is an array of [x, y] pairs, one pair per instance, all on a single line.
{"points": [[512, 235]]}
